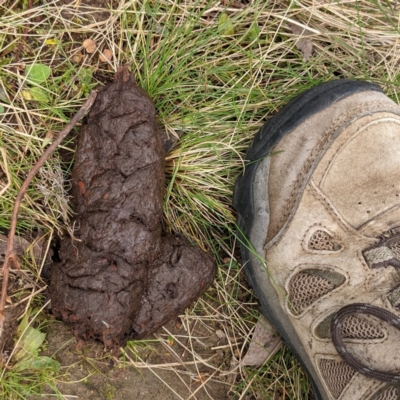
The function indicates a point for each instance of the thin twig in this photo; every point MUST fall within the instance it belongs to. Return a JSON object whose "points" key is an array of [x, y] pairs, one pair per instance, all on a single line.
{"points": [[11, 256]]}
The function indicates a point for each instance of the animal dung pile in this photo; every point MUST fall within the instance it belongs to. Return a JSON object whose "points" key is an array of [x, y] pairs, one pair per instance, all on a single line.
{"points": [[120, 277]]}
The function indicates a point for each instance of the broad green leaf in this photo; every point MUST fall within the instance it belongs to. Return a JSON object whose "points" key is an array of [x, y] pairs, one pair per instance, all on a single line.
{"points": [[38, 94], [3, 95], [1, 109], [85, 76], [26, 94], [52, 41], [254, 32], [232, 264], [23, 324], [37, 73], [30, 342], [148, 9], [225, 25], [38, 363], [170, 341]]}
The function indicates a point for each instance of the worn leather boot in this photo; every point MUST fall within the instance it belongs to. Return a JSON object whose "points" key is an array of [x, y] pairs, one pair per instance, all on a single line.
{"points": [[319, 219]]}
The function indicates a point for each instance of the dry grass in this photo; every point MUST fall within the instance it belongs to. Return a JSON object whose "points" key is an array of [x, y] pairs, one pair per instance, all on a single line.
{"points": [[213, 89]]}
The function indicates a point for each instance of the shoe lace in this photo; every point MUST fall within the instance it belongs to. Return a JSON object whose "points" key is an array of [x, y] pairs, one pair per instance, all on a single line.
{"points": [[383, 254], [337, 339]]}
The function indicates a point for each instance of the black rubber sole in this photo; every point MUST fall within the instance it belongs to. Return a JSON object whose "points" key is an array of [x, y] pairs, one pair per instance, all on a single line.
{"points": [[292, 115]]}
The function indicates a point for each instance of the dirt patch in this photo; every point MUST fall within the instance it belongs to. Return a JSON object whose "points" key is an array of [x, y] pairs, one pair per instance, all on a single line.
{"points": [[94, 374], [92, 9], [119, 277]]}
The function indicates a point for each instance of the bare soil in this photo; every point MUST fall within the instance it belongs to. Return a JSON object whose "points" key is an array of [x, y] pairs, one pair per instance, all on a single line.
{"points": [[95, 374]]}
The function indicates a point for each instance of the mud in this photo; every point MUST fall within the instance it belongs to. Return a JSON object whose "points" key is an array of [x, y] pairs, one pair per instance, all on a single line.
{"points": [[120, 277]]}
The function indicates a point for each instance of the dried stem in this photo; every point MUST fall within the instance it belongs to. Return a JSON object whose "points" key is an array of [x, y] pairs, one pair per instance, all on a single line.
{"points": [[10, 256]]}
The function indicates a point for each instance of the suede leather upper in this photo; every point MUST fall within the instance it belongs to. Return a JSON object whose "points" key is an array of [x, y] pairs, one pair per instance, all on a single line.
{"points": [[336, 173]]}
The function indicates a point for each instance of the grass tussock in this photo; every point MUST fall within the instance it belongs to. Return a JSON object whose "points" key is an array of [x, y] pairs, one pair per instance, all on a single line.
{"points": [[216, 71]]}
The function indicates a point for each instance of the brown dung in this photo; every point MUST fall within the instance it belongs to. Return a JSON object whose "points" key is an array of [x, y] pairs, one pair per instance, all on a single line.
{"points": [[120, 277]]}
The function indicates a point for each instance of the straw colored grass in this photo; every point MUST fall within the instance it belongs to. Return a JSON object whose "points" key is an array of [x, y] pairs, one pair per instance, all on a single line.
{"points": [[213, 89]]}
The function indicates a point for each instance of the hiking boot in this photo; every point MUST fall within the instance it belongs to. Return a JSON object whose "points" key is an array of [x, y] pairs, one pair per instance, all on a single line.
{"points": [[319, 219]]}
